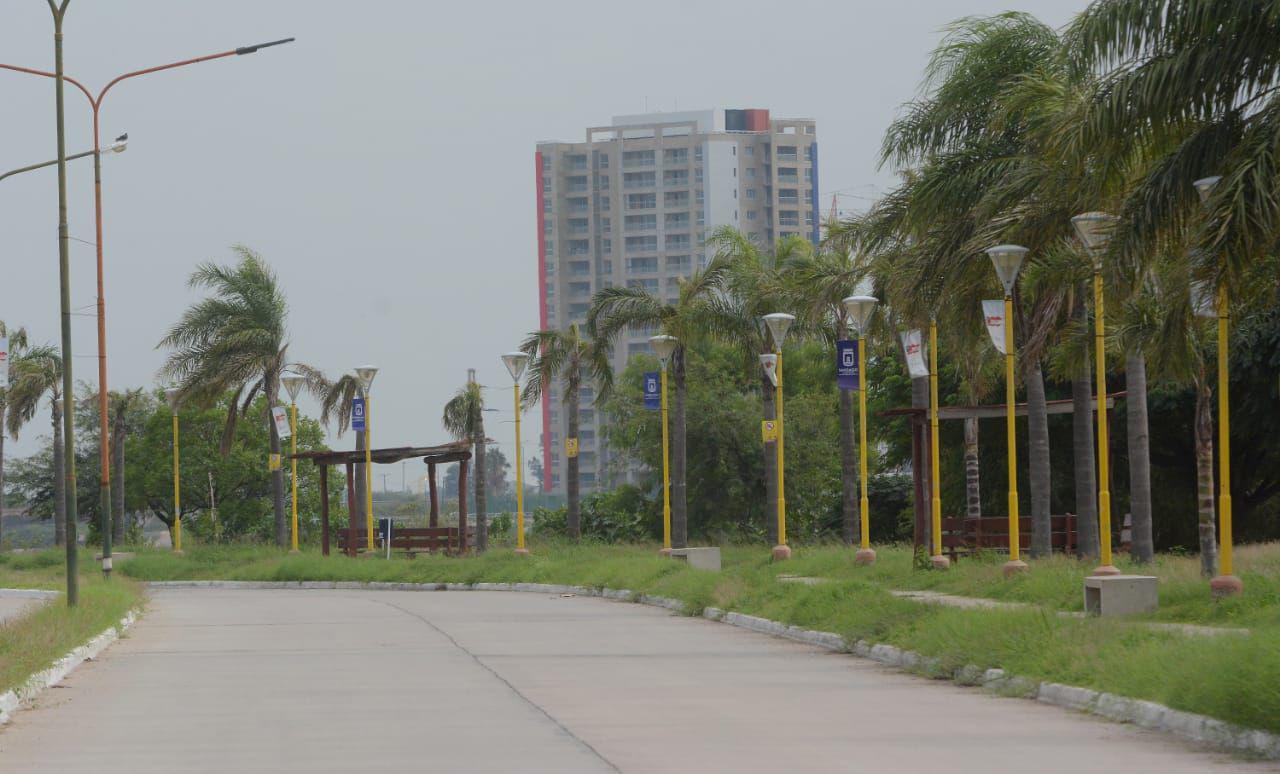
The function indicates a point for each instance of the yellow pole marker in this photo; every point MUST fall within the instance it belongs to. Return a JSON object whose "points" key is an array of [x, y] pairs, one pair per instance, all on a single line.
{"points": [[293, 448], [520, 549], [1226, 583], [866, 554], [782, 459], [177, 492], [368, 471], [1104, 444], [1015, 563], [939, 561], [666, 469]]}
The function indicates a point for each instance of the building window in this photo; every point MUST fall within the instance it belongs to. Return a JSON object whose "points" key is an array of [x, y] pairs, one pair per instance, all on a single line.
{"points": [[644, 201], [578, 225], [638, 158], [751, 214], [675, 220], [788, 175], [546, 205], [675, 177], [579, 268], [604, 161], [788, 196], [641, 265], [576, 184], [578, 312], [551, 247], [786, 153], [546, 162], [808, 174], [579, 289], [641, 222], [675, 199], [641, 243], [675, 156], [546, 226], [788, 218], [751, 150], [678, 263], [578, 204], [677, 241], [606, 245], [579, 246], [697, 175], [697, 153], [602, 182], [751, 173], [751, 193], [647, 285], [639, 179], [605, 225]]}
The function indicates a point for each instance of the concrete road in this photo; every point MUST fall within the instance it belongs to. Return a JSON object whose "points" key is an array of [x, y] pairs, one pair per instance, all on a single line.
{"points": [[350, 681], [15, 603]]}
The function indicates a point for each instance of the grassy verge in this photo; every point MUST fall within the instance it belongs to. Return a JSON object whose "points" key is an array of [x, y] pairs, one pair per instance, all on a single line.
{"points": [[33, 642], [1235, 678]]}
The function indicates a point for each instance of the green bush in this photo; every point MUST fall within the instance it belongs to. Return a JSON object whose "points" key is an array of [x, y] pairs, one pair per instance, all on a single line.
{"points": [[623, 515]]}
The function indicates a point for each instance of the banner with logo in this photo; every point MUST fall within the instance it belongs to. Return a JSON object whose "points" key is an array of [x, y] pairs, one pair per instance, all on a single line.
{"points": [[571, 447], [653, 390], [770, 365], [273, 462], [912, 346], [993, 316], [281, 416], [357, 414], [4, 362], [769, 431], [847, 376]]}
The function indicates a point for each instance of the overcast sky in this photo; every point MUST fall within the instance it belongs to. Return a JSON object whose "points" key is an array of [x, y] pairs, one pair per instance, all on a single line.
{"points": [[383, 163]]}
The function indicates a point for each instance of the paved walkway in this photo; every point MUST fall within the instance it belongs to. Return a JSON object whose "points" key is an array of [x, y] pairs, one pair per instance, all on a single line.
{"points": [[343, 681], [15, 603]]}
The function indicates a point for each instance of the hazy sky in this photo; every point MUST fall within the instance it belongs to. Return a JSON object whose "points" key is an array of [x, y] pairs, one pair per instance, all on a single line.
{"points": [[383, 163]]}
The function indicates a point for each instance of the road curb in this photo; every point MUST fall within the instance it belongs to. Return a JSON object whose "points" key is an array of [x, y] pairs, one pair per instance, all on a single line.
{"points": [[14, 700], [1201, 729]]}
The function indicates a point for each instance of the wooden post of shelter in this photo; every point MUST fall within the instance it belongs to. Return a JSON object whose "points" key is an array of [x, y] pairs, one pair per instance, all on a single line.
{"points": [[324, 510], [462, 507], [351, 510], [435, 499]]}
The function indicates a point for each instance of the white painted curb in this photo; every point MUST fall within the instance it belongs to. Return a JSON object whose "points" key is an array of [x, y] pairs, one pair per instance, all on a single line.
{"points": [[1156, 717], [12, 701]]}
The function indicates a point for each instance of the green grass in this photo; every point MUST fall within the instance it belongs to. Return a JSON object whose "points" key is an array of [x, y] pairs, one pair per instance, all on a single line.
{"points": [[1235, 678], [33, 642]]}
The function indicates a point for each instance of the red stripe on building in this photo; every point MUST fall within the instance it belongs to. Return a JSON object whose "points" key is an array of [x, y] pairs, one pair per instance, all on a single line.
{"points": [[542, 313]]}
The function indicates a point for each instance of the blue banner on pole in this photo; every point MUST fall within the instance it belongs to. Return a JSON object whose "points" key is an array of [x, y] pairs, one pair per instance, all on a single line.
{"points": [[652, 390], [357, 414], [847, 376]]}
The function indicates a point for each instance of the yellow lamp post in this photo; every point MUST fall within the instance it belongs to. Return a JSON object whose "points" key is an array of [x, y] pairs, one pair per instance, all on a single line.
{"points": [[515, 363], [860, 309], [664, 346], [779, 323], [365, 374], [1007, 260], [1225, 583], [1094, 229], [171, 395], [938, 560], [292, 383]]}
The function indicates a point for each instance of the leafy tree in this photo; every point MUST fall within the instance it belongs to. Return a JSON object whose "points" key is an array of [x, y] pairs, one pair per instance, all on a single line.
{"points": [[233, 346], [17, 342], [35, 373], [464, 420]]}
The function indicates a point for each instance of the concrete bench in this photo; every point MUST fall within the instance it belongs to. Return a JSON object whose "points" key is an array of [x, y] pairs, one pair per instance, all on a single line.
{"points": [[1110, 595], [699, 558]]}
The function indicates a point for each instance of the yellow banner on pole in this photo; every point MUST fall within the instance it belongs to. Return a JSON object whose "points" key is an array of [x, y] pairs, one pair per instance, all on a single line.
{"points": [[769, 431], [571, 447], [273, 463]]}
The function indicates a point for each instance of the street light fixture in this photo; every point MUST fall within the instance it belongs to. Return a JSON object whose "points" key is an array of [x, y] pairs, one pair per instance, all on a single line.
{"points": [[292, 384], [1225, 583], [1007, 260], [664, 347], [516, 362], [365, 374], [118, 146], [1094, 230], [860, 309], [173, 397], [779, 323]]}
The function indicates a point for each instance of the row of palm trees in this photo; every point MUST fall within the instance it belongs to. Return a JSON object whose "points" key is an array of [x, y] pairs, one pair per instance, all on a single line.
{"points": [[1018, 128]]}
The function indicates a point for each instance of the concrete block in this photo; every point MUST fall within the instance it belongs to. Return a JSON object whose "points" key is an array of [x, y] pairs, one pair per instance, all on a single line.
{"points": [[707, 558], [1115, 595]]}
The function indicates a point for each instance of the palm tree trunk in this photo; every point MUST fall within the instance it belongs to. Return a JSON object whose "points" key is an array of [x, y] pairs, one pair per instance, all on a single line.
{"points": [[1038, 460], [848, 471], [357, 518], [573, 518], [482, 520], [1139, 439], [1082, 458], [972, 480], [767, 391], [1204, 478], [117, 478], [679, 511], [59, 479], [2, 501], [277, 487]]}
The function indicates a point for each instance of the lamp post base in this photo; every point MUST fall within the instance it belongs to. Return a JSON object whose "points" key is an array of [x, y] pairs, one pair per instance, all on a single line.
{"points": [[664, 552], [1226, 586], [295, 551], [865, 556], [1105, 569], [522, 552], [177, 552], [940, 562], [781, 552], [1014, 567]]}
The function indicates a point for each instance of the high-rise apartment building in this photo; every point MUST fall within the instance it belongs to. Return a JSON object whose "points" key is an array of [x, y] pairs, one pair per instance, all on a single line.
{"points": [[633, 206]]}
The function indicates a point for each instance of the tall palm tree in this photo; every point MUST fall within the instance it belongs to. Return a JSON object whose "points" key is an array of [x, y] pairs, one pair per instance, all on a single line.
{"points": [[569, 356], [614, 310], [17, 343], [335, 407], [235, 342], [35, 373], [464, 420]]}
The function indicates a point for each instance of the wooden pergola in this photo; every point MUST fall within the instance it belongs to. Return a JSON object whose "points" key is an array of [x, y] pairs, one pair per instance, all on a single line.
{"points": [[458, 451]]}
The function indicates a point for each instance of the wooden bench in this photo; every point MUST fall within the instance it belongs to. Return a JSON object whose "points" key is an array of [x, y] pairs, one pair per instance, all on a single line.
{"points": [[963, 536], [414, 540]]}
